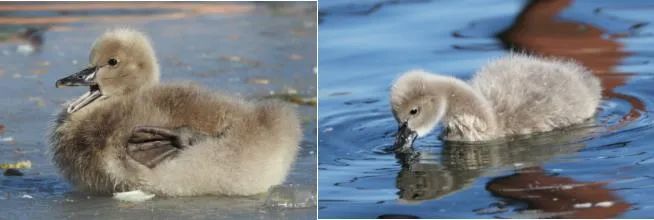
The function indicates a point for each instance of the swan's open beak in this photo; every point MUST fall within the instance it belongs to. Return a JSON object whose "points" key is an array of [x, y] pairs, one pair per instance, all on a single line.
{"points": [[85, 77], [405, 137]]}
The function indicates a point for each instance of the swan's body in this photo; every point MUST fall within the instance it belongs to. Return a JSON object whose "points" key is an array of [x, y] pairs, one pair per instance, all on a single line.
{"points": [[194, 141], [516, 94]]}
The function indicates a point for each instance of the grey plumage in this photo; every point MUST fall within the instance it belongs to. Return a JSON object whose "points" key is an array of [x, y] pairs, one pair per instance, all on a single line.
{"points": [[516, 94], [223, 145]]}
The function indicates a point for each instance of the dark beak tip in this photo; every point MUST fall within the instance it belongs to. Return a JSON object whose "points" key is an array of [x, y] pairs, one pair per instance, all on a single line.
{"points": [[60, 84], [77, 79], [405, 136]]}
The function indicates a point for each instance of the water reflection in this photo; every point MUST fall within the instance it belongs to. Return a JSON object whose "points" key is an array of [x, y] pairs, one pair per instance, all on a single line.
{"points": [[192, 39], [462, 163], [539, 30], [548, 195]]}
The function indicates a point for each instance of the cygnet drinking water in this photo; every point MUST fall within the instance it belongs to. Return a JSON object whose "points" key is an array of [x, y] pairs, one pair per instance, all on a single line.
{"points": [[513, 95]]}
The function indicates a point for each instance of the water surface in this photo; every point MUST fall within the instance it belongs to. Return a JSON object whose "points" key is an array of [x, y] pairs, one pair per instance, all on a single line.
{"points": [[597, 170], [250, 50]]}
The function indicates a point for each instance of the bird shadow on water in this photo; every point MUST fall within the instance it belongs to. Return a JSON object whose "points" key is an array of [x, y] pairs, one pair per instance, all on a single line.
{"points": [[461, 164]]}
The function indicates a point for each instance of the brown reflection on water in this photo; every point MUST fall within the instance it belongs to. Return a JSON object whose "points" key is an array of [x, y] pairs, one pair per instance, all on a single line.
{"points": [[538, 30], [560, 197], [166, 10]]}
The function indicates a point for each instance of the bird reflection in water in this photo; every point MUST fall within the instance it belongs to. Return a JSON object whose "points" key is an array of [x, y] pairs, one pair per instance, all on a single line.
{"points": [[462, 163]]}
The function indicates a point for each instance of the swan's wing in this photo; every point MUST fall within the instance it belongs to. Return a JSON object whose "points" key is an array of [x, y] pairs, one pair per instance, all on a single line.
{"points": [[150, 145]]}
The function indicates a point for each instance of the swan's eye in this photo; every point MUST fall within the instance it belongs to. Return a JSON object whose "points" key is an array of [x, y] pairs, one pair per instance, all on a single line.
{"points": [[413, 111], [112, 62]]}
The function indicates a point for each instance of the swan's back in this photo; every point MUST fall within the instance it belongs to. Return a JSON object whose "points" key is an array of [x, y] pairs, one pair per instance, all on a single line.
{"points": [[253, 127], [251, 136], [533, 94], [169, 106], [177, 105]]}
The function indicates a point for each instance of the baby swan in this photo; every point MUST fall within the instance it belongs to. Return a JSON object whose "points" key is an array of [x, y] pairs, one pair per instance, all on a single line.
{"points": [[516, 94], [131, 133]]}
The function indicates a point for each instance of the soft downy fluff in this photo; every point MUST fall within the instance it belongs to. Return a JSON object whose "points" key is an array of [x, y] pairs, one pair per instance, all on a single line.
{"points": [[174, 139], [513, 95]]}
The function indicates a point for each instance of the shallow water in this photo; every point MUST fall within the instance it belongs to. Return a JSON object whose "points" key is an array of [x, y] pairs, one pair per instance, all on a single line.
{"points": [[252, 50], [600, 169]]}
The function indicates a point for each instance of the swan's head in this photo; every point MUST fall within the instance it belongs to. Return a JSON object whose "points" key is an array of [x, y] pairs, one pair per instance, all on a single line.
{"points": [[121, 61], [417, 106]]}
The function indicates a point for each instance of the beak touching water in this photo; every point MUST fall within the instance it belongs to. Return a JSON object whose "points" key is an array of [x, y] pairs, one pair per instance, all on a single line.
{"points": [[404, 137], [85, 77]]}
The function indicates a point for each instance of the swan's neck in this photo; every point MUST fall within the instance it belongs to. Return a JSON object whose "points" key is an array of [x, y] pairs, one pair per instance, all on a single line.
{"points": [[469, 115]]}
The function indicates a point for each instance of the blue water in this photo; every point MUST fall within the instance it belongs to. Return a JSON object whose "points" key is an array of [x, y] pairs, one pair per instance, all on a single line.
{"points": [[600, 169], [223, 46]]}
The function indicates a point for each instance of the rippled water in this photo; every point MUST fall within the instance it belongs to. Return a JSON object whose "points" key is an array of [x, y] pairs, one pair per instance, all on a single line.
{"points": [[600, 169], [251, 50]]}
